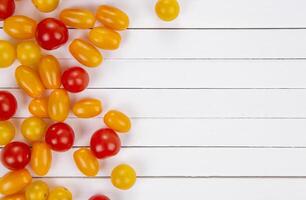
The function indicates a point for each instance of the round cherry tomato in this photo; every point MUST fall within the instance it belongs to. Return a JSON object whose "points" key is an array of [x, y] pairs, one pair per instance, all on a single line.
{"points": [[99, 197], [33, 129], [75, 79], [7, 131], [20, 27], [50, 72], [39, 107], [117, 121], [41, 158], [8, 105], [78, 18], [87, 108], [7, 8], [86, 162], [167, 10], [7, 54], [112, 17], [16, 155], [37, 190], [51, 33], [46, 5], [60, 193], [123, 177], [105, 38], [28, 53], [105, 143], [20, 196], [58, 105], [60, 137]]}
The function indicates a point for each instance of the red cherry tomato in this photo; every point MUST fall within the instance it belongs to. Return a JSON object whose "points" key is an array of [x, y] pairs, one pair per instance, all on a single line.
{"points": [[16, 155], [8, 105], [7, 8], [75, 79], [99, 197], [105, 143], [60, 137], [51, 33]]}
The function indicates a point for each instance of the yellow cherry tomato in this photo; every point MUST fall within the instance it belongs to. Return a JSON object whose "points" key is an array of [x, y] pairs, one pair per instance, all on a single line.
{"points": [[7, 54], [33, 129], [14, 181], [85, 53], [78, 18], [58, 105], [112, 17], [87, 108], [20, 27], [39, 107], [29, 81], [7, 132], [41, 158], [86, 162], [45, 5], [50, 72], [117, 121], [123, 177], [28, 53], [20, 196], [37, 190], [105, 38], [60, 193], [167, 10]]}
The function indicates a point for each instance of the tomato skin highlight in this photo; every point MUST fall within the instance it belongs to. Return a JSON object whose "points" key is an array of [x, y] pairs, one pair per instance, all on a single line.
{"points": [[117, 121], [60, 193], [78, 18], [46, 5], [8, 105], [50, 72], [58, 105], [112, 17], [7, 131], [41, 158], [167, 10], [104, 38], [75, 79], [87, 108], [86, 162], [99, 197], [7, 54], [7, 8], [123, 177], [20, 27], [33, 129], [39, 107], [37, 190], [20, 196]]}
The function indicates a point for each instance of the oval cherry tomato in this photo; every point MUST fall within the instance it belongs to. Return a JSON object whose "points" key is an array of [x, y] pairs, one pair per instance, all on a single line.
{"points": [[117, 121], [46, 5], [19, 27], [16, 155], [50, 72], [33, 129], [85, 53], [28, 80], [123, 177], [60, 193], [41, 158], [78, 18], [75, 79], [87, 108], [7, 131], [105, 143], [105, 38], [112, 17], [167, 10], [60, 137], [86, 162], [14, 181], [37, 190], [99, 197], [8, 105], [58, 105], [51, 33], [7, 54], [20, 196], [39, 107], [7, 8], [28, 53]]}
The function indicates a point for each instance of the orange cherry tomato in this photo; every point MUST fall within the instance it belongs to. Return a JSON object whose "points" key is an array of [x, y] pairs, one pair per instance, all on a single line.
{"points": [[167, 10], [87, 108], [50, 72], [112, 17], [7, 54], [117, 121], [85, 53], [33, 129], [29, 81], [123, 177], [46, 5], [14, 181], [20, 196], [105, 38], [20, 27], [41, 158], [59, 105], [28, 53], [78, 18], [39, 107], [7, 131], [86, 162]]}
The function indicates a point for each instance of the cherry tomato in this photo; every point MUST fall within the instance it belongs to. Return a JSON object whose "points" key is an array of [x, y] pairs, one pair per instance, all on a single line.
{"points": [[14, 181], [78, 18], [60, 193], [75, 79], [41, 158], [85, 53], [167, 10], [105, 38], [7, 54], [51, 33], [39, 107], [16, 155], [117, 121], [99, 197], [123, 177], [7, 8], [50, 72], [60, 137], [28, 80], [46, 5], [7, 131], [33, 129], [37, 190], [87, 108], [8, 105], [20, 196], [105, 143], [112, 17], [28, 53], [20, 27], [86, 162], [58, 105]]}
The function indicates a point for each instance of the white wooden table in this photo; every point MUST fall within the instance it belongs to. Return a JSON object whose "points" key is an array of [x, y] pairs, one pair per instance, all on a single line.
{"points": [[217, 99]]}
